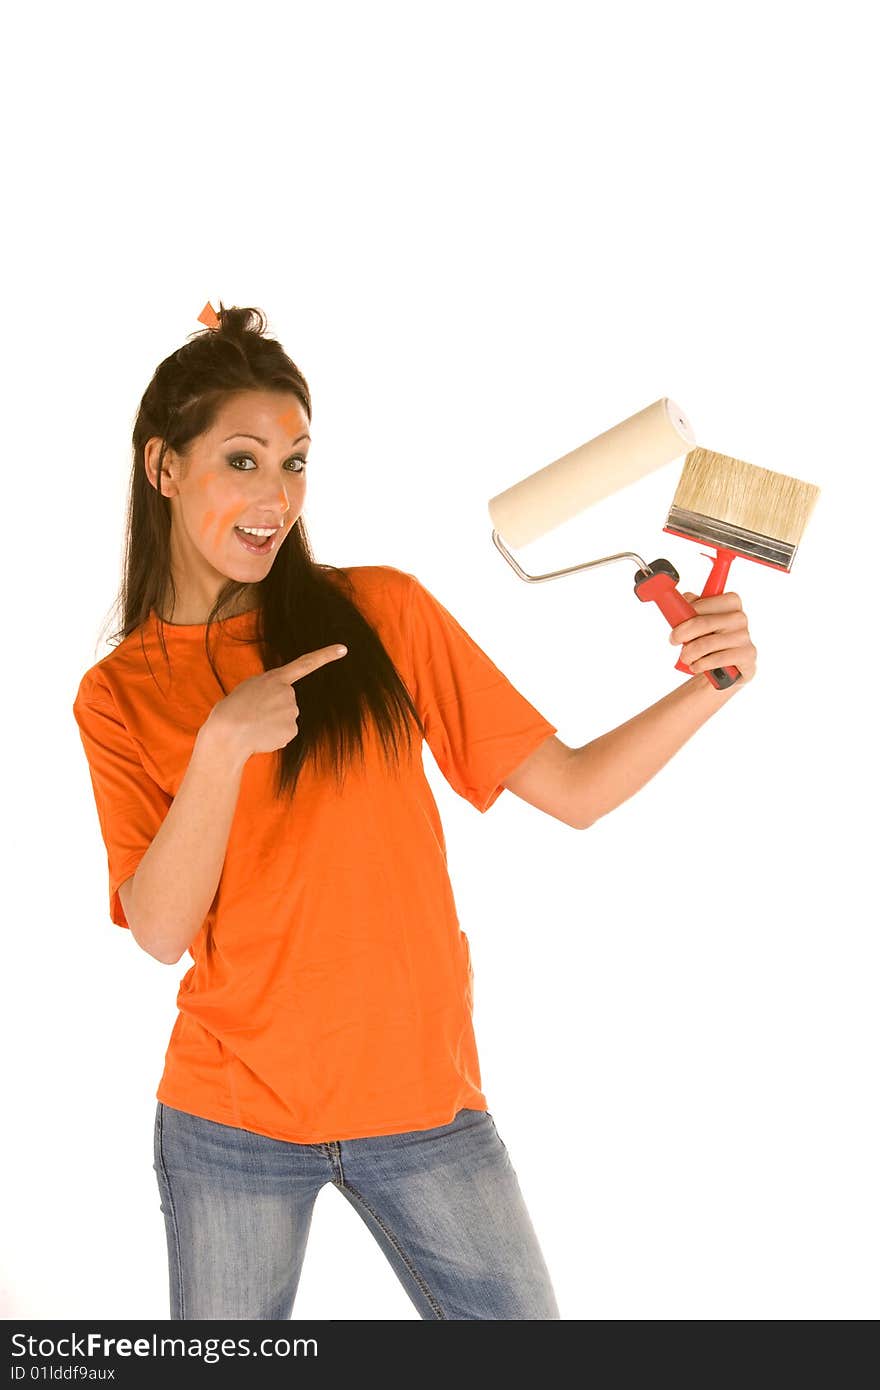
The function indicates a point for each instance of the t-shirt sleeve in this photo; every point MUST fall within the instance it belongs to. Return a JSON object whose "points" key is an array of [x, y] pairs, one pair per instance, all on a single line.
{"points": [[477, 724], [131, 805]]}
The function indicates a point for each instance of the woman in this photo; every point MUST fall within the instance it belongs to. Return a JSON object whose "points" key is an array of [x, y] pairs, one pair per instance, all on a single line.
{"points": [[263, 802]]}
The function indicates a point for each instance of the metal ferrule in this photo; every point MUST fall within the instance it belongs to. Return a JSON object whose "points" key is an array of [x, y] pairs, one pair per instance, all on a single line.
{"points": [[750, 544]]}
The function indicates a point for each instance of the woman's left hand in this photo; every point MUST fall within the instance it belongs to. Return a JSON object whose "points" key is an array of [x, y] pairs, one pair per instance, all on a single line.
{"points": [[717, 636]]}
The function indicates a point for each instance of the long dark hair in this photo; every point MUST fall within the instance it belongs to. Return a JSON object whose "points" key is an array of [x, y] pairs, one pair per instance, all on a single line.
{"points": [[303, 605]]}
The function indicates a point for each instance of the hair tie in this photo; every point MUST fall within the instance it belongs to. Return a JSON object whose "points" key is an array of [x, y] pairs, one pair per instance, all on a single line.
{"points": [[208, 317]]}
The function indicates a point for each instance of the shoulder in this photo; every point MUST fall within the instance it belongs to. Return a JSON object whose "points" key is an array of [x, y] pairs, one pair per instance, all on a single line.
{"points": [[119, 667], [93, 703], [380, 587], [371, 577], [93, 687]]}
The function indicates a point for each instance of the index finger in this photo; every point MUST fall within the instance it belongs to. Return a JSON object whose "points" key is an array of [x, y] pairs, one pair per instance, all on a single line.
{"points": [[310, 661]]}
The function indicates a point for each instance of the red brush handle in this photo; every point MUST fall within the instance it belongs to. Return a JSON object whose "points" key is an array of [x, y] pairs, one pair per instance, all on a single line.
{"points": [[659, 587]]}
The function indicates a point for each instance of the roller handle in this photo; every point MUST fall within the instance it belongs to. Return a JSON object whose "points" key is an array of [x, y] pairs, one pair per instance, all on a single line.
{"points": [[659, 587]]}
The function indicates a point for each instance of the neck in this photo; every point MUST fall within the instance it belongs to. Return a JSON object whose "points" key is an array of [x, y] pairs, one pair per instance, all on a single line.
{"points": [[187, 612]]}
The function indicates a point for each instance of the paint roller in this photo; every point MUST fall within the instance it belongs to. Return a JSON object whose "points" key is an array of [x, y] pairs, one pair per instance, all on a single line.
{"points": [[722, 502]]}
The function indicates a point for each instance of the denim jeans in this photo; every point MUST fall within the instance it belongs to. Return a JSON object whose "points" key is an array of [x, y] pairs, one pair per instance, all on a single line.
{"points": [[444, 1205]]}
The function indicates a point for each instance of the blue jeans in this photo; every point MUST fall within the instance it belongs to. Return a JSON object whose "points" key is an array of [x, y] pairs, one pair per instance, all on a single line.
{"points": [[444, 1205]]}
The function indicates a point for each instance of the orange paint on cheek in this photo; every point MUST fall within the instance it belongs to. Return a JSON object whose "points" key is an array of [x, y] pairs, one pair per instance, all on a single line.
{"points": [[204, 482], [212, 520], [226, 519], [219, 522]]}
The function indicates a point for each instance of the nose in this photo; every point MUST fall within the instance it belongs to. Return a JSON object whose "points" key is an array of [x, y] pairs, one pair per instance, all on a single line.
{"points": [[283, 506], [279, 506]]}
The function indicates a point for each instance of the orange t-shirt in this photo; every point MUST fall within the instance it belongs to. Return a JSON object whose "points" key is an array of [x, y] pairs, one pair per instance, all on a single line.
{"points": [[331, 994]]}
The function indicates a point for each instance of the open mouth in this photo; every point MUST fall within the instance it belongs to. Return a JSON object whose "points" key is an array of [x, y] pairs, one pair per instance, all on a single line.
{"points": [[257, 545]]}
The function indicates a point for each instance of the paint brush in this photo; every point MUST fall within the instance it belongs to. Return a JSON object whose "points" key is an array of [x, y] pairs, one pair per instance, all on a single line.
{"points": [[739, 510]]}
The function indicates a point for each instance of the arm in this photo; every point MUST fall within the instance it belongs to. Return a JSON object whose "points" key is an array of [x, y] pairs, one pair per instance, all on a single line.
{"points": [[579, 785], [611, 769], [167, 899]]}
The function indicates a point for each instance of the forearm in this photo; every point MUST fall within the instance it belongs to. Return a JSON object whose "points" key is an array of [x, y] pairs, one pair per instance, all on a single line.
{"points": [[177, 878], [610, 769]]}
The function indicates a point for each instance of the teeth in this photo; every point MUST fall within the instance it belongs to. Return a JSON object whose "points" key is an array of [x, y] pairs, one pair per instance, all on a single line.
{"points": [[257, 531]]}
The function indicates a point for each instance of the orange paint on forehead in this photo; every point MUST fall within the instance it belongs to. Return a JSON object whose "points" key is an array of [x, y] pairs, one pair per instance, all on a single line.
{"points": [[288, 420]]}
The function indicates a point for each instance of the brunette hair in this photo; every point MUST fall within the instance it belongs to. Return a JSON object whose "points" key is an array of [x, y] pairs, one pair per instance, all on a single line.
{"points": [[304, 605]]}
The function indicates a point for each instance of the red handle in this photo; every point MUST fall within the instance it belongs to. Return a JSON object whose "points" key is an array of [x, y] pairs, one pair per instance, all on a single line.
{"points": [[659, 587]]}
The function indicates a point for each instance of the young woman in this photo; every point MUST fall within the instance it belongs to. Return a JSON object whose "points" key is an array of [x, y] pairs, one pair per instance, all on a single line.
{"points": [[264, 806]]}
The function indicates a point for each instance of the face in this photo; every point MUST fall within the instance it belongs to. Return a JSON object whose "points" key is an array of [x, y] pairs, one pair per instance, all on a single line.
{"points": [[230, 480]]}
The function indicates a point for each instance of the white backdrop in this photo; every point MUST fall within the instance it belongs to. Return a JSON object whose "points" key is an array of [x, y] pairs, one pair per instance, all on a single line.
{"points": [[486, 232]]}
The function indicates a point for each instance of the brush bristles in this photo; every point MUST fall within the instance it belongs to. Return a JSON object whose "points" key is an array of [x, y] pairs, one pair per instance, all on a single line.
{"points": [[771, 504]]}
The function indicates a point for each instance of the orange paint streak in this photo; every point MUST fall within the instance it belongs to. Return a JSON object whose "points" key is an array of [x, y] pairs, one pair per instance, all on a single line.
{"points": [[289, 419], [227, 518]]}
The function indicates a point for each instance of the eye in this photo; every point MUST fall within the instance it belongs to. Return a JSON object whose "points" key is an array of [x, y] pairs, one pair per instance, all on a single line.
{"points": [[237, 458]]}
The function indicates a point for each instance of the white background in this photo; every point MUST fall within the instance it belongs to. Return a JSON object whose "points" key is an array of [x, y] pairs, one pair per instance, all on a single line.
{"points": [[486, 232]]}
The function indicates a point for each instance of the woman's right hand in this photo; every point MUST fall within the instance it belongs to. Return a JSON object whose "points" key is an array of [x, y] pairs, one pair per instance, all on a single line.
{"points": [[260, 714]]}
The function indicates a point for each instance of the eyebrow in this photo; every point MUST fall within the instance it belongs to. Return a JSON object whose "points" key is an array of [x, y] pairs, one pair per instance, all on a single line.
{"points": [[264, 442]]}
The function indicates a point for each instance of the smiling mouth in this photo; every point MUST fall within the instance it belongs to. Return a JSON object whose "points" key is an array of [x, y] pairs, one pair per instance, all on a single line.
{"points": [[257, 545]]}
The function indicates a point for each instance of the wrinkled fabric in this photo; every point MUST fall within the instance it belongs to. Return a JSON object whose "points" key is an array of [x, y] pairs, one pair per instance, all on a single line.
{"points": [[331, 991]]}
